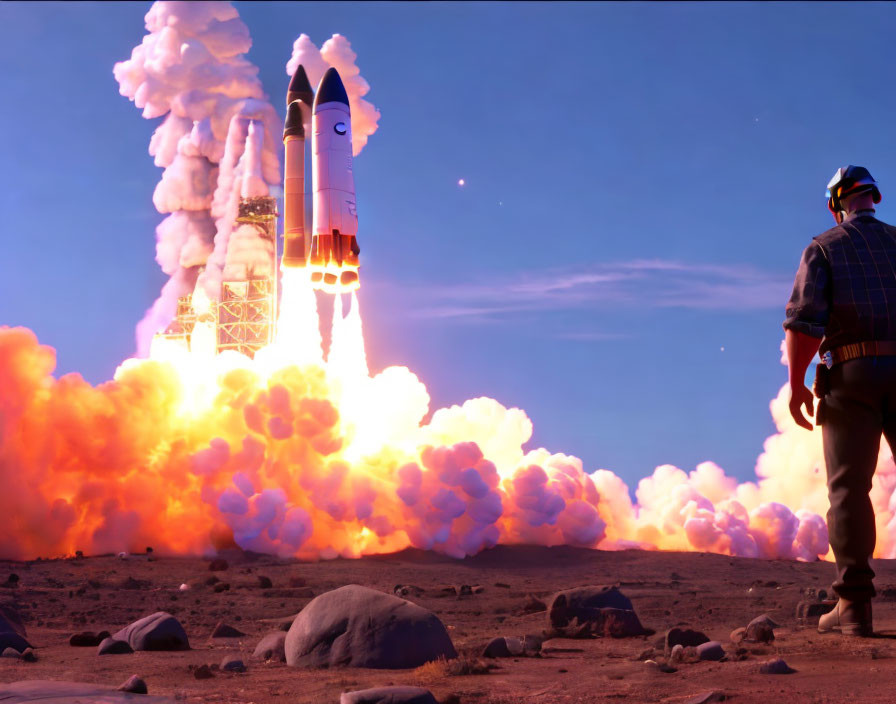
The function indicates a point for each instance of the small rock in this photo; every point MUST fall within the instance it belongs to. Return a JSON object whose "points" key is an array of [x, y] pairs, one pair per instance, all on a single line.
{"points": [[677, 654], [88, 639], [28, 655], [111, 646], [222, 630], [389, 695], [404, 590], [463, 590], [122, 555], [133, 684], [222, 587], [12, 580], [148, 550], [497, 648], [218, 565], [737, 635], [759, 633], [184, 587], [683, 636], [10, 653], [264, 582], [203, 672], [764, 619], [775, 667], [711, 650], [271, 647], [211, 580], [502, 585], [646, 654], [707, 698], [232, 663]]}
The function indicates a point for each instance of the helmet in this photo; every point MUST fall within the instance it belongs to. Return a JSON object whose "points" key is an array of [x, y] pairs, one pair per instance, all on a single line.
{"points": [[847, 181]]}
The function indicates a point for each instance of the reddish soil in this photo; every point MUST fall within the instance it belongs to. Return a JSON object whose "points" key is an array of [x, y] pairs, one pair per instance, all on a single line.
{"points": [[711, 593]]}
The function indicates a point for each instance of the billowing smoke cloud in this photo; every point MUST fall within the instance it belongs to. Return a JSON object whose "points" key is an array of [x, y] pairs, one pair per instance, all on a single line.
{"points": [[337, 52], [270, 457], [191, 68]]}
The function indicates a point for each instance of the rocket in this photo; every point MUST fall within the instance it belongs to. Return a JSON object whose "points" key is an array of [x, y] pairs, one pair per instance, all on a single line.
{"points": [[332, 257], [299, 100], [334, 245]]}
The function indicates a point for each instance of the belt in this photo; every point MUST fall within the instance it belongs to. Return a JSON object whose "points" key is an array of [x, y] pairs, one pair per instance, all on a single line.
{"points": [[856, 350]]}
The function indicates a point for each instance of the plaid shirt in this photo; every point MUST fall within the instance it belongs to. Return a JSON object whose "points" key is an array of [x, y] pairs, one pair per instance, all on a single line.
{"points": [[846, 284]]}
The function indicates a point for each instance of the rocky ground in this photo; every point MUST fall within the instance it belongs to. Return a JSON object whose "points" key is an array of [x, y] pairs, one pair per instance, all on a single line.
{"points": [[713, 594]]}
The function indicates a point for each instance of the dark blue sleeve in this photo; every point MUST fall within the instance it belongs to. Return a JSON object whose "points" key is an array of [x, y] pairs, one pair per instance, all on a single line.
{"points": [[809, 306]]}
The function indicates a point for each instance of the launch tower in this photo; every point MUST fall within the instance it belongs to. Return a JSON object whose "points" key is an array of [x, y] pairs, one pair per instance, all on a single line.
{"points": [[247, 310]]}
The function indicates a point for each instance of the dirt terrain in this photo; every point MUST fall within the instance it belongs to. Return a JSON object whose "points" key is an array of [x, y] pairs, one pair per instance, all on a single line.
{"points": [[711, 593]]}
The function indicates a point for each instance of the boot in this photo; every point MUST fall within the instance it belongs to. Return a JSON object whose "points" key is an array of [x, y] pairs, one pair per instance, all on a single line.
{"points": [[850, 618]]}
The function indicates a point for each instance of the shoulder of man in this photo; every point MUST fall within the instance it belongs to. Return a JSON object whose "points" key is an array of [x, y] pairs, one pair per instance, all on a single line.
{"points": [[832, 236]]}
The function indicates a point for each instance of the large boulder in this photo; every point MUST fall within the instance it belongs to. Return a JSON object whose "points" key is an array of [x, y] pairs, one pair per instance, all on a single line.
{"points": [[160, 631], [389, 695], [12, 630], [593, 611], [58, 692], [358, 627]]}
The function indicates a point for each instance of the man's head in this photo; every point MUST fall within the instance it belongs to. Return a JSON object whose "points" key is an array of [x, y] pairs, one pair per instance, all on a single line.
{"points": [[851, 189]]}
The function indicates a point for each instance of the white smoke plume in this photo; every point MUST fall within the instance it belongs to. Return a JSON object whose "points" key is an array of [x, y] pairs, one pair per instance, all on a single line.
{"points": [[337, 52], [191, 67]]}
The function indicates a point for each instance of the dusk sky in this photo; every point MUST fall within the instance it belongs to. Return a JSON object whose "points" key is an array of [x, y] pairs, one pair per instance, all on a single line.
{"points": [[639, 182]]}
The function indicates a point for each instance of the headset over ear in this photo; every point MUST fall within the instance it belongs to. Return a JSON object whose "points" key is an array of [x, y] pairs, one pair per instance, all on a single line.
{"points": [[847, 181]]}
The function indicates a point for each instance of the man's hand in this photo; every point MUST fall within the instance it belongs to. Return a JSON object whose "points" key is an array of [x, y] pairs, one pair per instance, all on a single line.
{"points": [[800, 350], [801, 396]]}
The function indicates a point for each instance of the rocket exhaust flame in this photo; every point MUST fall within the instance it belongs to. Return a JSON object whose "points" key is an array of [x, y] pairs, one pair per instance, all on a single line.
{"points": [[294, 455]]}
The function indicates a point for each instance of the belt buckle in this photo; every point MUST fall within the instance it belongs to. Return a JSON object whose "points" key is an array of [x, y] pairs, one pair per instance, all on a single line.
{"points": [[828, 359]]}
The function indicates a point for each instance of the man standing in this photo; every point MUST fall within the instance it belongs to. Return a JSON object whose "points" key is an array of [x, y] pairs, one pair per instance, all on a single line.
{"points": [[844, 307]]}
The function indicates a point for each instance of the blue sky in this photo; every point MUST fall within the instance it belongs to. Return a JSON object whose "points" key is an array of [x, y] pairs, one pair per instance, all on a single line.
{"points": [[640, 181]]}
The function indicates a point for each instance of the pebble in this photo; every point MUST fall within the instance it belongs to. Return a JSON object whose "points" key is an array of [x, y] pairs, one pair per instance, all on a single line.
{"points": [[683, 636], [232, 663], [676, 655], [203, 672], [222, 630], [775, 667], [707, 698], [134, 685], [88, 639], [711, 650], [222, 587], [264, 582]]}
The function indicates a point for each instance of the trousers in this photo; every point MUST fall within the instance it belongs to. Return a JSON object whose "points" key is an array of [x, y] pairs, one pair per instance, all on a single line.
{"points": [[859, 407]]}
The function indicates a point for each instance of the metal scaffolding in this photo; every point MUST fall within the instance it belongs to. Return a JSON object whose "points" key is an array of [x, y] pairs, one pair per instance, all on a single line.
{"points": [[245, 315], [247, 310], [181, 328]]}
